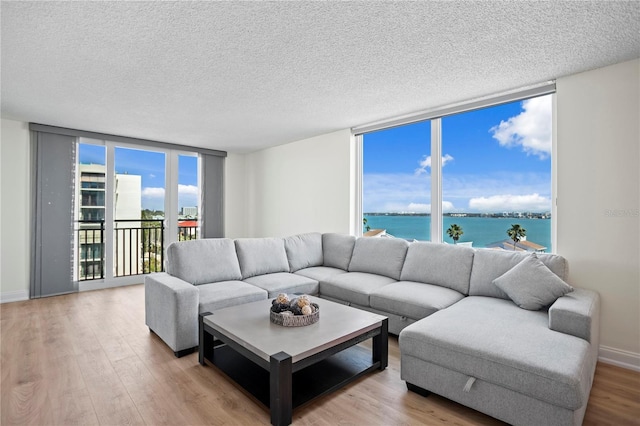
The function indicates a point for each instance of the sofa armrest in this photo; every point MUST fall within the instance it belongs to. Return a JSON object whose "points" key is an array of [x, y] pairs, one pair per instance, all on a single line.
{"points": [[171, 310], [578, 314]]}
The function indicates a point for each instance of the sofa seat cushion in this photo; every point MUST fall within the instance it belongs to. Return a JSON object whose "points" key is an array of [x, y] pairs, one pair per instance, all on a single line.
{"points": [[203, 261], [284, 282], [319, 273], [227, 293], [495, 341], [353, 287], [413, 300]]}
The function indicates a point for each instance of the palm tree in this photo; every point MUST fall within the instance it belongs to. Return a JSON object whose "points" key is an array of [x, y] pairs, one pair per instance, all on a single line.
{"points": [[516, 232], [455, 232], [364, 222]]}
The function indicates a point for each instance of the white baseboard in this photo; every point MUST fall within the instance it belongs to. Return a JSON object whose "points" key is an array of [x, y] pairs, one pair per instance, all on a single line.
{"points": [[619, 357], [14, 296]]}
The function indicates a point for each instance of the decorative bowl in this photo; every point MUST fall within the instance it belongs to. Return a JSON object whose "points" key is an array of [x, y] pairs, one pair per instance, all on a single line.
{"points": [[286, 320], [293, 312]]}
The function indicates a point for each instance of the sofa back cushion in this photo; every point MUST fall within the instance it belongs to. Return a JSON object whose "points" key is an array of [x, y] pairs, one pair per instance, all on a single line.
{"points": [[304, 251], [490, 264], [382, 256], [445, 265], [203, 261], [258, 256], [337, 250]]}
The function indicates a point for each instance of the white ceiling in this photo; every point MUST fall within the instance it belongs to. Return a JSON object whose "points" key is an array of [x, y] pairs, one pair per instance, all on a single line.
{"points": [[241, 76]]}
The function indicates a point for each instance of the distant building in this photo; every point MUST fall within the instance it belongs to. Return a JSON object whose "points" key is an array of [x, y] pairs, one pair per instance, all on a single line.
{"points": [[190, 211]]}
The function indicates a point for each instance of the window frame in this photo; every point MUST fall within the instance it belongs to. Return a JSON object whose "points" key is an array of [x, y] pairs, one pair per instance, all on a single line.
{"points": [[435, 116]]}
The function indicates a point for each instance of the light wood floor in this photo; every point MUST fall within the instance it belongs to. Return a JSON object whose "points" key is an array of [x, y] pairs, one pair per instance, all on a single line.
{"points": [[88, 358]]}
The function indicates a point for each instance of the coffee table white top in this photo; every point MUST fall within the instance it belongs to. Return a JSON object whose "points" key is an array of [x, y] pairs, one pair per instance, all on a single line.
{"points": [[249, 326]]}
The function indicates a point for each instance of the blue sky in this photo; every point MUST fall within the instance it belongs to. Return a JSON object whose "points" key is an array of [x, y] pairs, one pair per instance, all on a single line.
{"points": [[495, 159], [150, 165]]}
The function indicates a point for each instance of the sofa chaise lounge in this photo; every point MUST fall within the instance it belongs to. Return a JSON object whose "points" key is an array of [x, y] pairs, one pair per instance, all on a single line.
{"points": [[500, 332]]}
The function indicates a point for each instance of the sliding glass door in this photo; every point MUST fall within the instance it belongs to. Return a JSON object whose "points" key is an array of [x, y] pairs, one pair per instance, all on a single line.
{"points": [[132, 202]]}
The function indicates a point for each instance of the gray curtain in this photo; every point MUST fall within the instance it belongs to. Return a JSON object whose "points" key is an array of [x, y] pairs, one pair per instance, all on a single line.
{"points": [[212, 202], [53, 175]]}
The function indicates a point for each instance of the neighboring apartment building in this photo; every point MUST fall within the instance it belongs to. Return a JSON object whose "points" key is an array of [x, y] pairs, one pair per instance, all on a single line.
{"points": [[190, 211], [90, 216]]}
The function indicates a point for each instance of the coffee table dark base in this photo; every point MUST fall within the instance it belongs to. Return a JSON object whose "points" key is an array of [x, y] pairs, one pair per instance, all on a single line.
{"points": [[282, 386]]}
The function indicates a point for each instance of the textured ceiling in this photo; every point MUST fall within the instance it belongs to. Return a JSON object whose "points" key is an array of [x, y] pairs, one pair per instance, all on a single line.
{"points": [[241, 76]]}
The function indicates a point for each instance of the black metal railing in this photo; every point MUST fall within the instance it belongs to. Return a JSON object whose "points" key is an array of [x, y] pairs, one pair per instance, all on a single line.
{"points": [[90, 246], [138, 247]]}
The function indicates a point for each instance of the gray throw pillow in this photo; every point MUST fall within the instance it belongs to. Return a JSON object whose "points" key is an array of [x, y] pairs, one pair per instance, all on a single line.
{"points": [[531, 285]]}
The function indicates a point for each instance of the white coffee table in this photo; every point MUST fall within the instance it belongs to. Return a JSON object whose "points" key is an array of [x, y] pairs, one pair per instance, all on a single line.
{"points": [[285, 367]]}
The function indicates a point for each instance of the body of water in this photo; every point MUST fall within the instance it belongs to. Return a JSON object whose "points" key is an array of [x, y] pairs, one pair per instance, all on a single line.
{"points": [[479, 230]]}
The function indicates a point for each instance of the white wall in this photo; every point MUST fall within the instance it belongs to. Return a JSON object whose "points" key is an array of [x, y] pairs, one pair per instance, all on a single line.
{"points": [[300, 187], [598, 196], [15, 199]]}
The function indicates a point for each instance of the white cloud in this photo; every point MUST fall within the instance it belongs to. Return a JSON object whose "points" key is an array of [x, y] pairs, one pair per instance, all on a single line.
{"points": [[418, 208], [426, 163], [531, 129], [188, 189], [188, 195], [447, 207], [153, 197], [511, 203], [151, 192]]}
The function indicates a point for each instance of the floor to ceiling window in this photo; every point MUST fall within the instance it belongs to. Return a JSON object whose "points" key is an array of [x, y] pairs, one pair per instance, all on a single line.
{"points": [[479, 176], [131, 205]]}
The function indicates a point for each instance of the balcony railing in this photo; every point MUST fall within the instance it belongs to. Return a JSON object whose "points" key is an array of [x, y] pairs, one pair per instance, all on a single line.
{"points": [[90, 249], [138, 247]]}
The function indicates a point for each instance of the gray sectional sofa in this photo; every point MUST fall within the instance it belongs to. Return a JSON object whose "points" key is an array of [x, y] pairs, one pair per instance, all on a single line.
{"points": [[497, 331]]}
